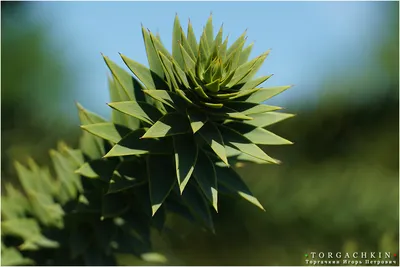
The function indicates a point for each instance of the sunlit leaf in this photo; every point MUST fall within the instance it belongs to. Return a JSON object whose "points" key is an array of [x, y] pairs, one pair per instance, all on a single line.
{"points": [[108, 131], [132, 144], [141, 110], [197, 119], [209, 30], [88, 117], [268, 118], [149, 78], [244, 56], [243, 144], [232, 182], [169, 124], [169, 98], [12, 257], [186, 151], [251, 84], [131, 88], [29, 230], [248, 108], [192, 38], [258, 135], [152, 56], [176, 41], [100, 168], [210, 133], [205, 175], [266, 93]]}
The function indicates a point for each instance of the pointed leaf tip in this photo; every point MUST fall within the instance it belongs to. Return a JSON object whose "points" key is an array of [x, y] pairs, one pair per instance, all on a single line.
{"points": [[154, 209], [186, 153], [161, 175]]}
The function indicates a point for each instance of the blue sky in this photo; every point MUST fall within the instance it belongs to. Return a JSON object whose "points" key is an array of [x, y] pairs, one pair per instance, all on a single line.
{"points": [[309, 40]]}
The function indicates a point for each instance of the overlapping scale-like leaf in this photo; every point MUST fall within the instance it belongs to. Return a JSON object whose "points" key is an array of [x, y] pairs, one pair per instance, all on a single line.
{"points": [[107, 131], [133, 144], [257, 135], [234, 185], [161, 173], [170, 124], [244, 145], [185, 151], [204, 172]]}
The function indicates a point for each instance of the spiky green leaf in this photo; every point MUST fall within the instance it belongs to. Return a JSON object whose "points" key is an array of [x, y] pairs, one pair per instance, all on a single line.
{"points": [[258, 135], [248, 108], [116, 91], [170, 124], [12, 257], [148, 77], [70, 182], [209, 30], [192, 38], [132, 144], [88, 117], [251, 84], [141, 110], [152, 56], [188, 61], [169, 98], [198, 205], [107, 130], [210, 133], [247, 70], [131, 89], [205, 175], [176, 41], [268, 118], [243, 144], [234, 184], [100, 168], [186, 151], [244, 56], [197, 119], [237, 43], [266, 93], [128, 174], [29, 231], [162, 175]]}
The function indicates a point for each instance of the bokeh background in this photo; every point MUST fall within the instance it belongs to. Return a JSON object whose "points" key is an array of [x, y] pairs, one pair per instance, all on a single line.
{"points": [[338, 186]]}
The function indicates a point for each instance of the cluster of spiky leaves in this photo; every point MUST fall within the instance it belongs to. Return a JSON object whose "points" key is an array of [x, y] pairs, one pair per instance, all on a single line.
{"points": [[38, 203], [191, 114], [177, 129], [68, 219]]}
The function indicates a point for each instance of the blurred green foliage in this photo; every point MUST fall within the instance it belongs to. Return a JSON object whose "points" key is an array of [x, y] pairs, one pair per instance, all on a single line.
{"points": [[32, 87]]}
